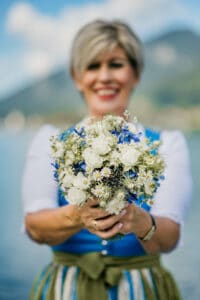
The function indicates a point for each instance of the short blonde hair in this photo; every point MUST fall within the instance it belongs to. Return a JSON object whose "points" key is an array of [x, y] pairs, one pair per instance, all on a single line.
{"points": [[101, 36]]}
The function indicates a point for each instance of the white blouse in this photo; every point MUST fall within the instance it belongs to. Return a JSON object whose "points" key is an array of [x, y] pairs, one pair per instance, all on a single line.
{"points": [[172, 200]]}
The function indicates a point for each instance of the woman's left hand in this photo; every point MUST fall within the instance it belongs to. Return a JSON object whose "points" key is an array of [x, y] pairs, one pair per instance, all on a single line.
{"points": [[136, 220]]}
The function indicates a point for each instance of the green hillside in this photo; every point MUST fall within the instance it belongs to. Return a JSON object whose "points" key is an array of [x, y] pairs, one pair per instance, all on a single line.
{"points": [[181, 91]]}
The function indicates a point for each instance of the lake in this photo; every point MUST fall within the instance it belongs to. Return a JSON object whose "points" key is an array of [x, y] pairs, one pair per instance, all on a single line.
{"points": [[20, 258]]}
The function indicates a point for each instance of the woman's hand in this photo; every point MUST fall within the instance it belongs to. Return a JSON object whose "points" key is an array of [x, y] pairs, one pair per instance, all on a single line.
{"points": [[138, 221], [98, 221]]}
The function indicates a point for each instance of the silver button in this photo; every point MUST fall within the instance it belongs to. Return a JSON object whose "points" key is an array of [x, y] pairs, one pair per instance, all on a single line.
{"points": [[104, 242], [104, 252]]}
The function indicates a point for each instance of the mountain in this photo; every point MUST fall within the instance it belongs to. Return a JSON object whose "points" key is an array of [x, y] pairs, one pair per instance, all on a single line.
{"points": [[52, 94], [171, 77], [169, 56]]}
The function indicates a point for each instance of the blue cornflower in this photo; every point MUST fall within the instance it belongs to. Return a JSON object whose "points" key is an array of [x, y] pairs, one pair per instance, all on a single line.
{"points": [[80, 132], [131, 174], [64, 135], [55, 165], [80, 166]]}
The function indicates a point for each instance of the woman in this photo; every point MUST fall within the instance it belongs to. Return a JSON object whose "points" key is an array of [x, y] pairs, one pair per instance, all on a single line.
{"points": [[106, 65]]}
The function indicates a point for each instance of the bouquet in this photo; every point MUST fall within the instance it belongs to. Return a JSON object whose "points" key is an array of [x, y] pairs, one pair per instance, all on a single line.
{"points": [[109, 160]]}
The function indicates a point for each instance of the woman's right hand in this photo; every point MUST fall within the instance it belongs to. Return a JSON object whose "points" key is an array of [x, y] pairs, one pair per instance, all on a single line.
{"points": [[98, 221]]}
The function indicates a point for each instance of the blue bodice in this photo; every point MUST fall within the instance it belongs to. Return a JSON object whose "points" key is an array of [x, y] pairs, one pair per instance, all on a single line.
{"points": [[84, 241]]}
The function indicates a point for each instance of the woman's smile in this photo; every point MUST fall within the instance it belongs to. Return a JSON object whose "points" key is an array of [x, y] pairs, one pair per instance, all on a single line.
{"points": [[107, 93]]}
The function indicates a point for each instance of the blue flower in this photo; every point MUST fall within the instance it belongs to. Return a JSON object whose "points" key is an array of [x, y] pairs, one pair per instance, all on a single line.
{"points": [[115, 132], [55, 165], [64, 135], [131, 197], [80, 166], [80, 132], [131, 174], [55, 175], [126, 136]]}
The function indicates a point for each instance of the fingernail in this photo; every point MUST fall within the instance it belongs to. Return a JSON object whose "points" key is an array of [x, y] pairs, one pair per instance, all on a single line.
{"points": [[120, 225], [123, 212]]}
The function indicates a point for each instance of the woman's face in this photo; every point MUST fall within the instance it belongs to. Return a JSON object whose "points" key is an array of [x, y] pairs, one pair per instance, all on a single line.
{"points": [[107, 83]]}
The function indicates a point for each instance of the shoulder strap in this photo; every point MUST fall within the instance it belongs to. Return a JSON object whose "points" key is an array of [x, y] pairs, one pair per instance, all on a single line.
{"points": [[152, 135]]}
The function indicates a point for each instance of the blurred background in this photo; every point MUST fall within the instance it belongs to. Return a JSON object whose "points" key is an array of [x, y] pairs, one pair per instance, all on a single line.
{"points": [[35, 88]]}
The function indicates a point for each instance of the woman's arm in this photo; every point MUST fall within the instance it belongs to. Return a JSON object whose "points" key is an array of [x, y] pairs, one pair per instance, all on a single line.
{"points": [[53, 226]]}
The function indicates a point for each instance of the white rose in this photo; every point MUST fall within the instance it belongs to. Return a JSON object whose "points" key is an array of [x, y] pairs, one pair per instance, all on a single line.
{"points": [[76, 196], [129, 155], [80, 181], [101, 145], [92, 160]]}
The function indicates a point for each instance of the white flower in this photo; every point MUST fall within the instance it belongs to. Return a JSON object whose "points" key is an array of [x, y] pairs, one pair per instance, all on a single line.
{"points": [[143, 144], [120, 195], [115, 205], [80, 181], [92, 160], [132, 128], [129, 183], [96, 175], [105, 172], [69, 158], [101, 145], [67, 180], [149, 160], [148, 188], [76, 196], [58, 150], [101, 191], [114, 158], [128, 155]]}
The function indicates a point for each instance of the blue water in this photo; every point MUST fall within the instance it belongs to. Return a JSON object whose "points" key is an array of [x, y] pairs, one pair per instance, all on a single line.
{"points": [[20, 259]]}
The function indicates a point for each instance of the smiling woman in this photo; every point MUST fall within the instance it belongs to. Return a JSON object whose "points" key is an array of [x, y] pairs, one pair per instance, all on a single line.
{"points": [[108, 67], [106, 64]]}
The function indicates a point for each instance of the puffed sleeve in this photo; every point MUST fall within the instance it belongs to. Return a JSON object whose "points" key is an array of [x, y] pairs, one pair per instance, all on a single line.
{"points": [[39, 189], [173, 198]]}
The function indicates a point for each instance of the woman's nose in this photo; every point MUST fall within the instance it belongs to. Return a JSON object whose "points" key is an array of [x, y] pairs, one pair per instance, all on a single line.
{"points": [[104, 74]]}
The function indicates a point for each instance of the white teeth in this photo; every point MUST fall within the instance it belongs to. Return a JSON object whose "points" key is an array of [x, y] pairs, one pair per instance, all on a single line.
{"points": [[106, 92]]}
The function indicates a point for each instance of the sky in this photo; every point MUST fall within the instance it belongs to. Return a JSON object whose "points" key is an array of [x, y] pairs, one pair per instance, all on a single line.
{"points": [[35, 35]]}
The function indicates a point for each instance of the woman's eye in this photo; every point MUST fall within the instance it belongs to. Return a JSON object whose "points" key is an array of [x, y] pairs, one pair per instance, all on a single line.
{"points": [[93, 66], [116, 65]]}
